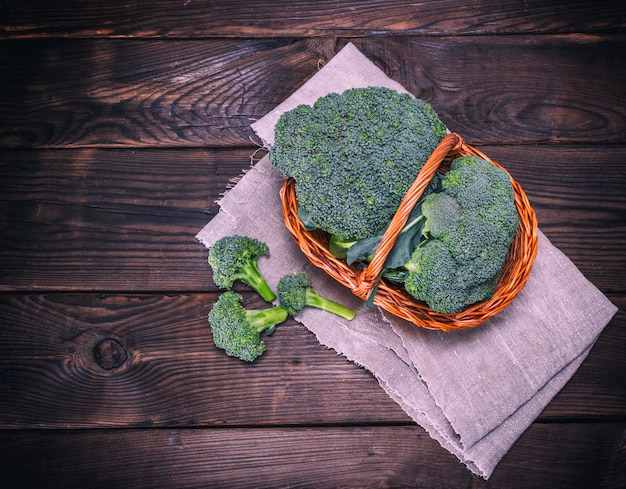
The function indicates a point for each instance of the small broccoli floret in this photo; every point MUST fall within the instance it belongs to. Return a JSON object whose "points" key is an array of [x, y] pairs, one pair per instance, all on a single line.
{"points": [[236, 258], [476, 183], [295, 292], [237, 330], [430, 269], [354, 156], [442, 213]]}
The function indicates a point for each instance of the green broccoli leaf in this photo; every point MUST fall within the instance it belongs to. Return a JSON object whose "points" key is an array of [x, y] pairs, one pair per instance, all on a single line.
{"points": [[403, 248], [305, 219]]}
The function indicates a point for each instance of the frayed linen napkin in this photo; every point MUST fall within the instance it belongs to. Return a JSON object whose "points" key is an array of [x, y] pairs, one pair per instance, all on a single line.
{"points": [[475, 391]]}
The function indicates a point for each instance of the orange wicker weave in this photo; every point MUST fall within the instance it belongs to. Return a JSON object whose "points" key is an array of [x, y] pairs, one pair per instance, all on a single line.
{"points": [[394, 299]]}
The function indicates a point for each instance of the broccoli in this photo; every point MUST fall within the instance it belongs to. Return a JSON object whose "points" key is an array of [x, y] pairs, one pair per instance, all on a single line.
{"points": [[354, 155], [451, 252], [236, 258], [468, 229], [295, 292], [436, 278], [237, 330]]}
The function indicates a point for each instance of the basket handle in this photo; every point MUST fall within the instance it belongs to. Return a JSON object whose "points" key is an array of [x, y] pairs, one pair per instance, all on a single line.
{"points": [[370, 276]]}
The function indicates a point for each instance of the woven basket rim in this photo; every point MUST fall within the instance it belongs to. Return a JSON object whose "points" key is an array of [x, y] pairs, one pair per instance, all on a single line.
{"points": [[393, 299]]}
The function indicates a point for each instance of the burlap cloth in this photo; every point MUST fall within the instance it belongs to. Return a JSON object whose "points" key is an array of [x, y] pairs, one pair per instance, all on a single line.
{"points": [[475, 391]]}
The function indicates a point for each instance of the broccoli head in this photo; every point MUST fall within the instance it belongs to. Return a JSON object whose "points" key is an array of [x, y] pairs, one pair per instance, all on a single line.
{"points": [[237, 330], [236, 258], [295, 293], [475, 182], [442, 213], [436, 278], [354, 155], [469, 227]]}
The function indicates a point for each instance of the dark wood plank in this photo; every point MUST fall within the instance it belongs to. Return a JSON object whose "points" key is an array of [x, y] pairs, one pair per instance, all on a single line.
{"points": [[122, 219], [137, 93], [490, 89], [366, 457], [149, 360], [236, 18], [98, 360], [116, 220], [515, 89], [565, 455]]}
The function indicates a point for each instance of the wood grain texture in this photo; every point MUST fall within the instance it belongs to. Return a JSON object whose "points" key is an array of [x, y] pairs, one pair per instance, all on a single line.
{"points": [[171, 373], [133, 93], [122, 123], [300, 18], [114, 220], [120, 93], [117, 218], [576, 457], [515, 89]]}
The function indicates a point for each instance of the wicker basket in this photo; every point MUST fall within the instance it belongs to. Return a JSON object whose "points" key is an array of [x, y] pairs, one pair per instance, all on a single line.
{"points": [[393, 298]]}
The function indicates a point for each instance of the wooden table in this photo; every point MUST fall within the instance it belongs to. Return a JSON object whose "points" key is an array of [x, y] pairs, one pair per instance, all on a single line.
{"points": [[122, 123]]}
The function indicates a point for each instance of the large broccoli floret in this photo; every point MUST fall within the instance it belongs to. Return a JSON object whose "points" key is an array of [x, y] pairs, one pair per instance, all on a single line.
{"points": [[467, 233], [354, 155], [296, 292], [442, 213], [236, 258], [481, 187], [237, 330]]}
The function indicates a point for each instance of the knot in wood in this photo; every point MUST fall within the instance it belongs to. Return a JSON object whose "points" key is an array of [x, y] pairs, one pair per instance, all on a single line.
{"points": [[110, 354]]}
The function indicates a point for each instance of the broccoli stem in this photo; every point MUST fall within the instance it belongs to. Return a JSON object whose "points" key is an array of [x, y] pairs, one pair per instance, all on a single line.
{"points": [[411, 224], [251, 275], [338, 247], [314, 299], [263, 319]]}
